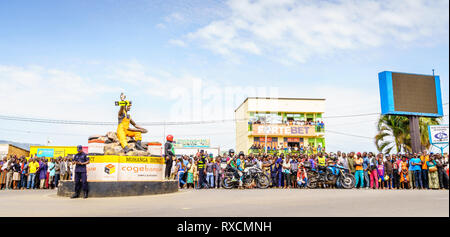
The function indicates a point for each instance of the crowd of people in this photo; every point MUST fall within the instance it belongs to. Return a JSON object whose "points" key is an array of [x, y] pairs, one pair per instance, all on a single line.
{"points": [[381, 171], [34, 172]]}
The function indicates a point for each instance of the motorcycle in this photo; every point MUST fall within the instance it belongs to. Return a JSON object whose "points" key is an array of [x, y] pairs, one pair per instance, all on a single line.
{"points": [[340, 176], [250, 176], [333, 175]]}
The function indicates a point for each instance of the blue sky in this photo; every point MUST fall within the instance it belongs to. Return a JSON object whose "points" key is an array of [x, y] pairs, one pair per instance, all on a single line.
{"points": [[71, 59]]}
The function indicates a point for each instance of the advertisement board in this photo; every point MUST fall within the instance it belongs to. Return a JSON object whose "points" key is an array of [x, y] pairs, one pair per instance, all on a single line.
{"points": [[125, 168], [284, 130], [438, 134], [55, 151], [45, 152], [186, 143], [410, 94]]}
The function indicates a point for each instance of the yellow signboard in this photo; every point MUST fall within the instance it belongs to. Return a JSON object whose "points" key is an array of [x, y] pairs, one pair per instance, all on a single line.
{"points": [[52, 151]]}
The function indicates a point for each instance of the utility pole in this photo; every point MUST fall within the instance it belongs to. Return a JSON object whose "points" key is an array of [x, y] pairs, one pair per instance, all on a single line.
{"points": [[265, 131]]}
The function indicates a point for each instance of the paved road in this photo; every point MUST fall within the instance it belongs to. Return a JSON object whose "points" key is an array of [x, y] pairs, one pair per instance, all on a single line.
{"points": [[270, 202]]}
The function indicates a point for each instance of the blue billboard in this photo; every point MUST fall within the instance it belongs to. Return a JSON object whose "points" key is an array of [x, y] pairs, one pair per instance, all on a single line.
{"points": [[410, 94]]}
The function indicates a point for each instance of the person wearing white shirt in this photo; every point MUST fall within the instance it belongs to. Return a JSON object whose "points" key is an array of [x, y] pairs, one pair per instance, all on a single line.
{"points": [[286, 169]]}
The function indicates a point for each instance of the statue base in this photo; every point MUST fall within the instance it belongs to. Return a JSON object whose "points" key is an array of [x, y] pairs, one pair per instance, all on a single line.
{"points": [[120, 188]]}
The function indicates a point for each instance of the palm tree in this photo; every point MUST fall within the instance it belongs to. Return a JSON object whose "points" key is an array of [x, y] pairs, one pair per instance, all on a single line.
{"points": [[393, 131], [392, 127]]}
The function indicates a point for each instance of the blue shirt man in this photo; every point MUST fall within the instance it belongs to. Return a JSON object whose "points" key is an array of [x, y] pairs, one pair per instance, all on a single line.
{"points": [[416, 169], [80, 178], [279, 163], [81, 158], [413, 164], [366, 162]]}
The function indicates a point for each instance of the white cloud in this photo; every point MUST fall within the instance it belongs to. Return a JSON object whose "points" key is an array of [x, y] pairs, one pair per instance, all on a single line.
{"points": [[177, 42], [160, 26], [174, 17], [36, 89], [295, 31]]}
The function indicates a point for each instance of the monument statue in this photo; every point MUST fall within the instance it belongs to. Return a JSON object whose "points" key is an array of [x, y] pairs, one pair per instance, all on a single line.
{"points": [[124, 130]]}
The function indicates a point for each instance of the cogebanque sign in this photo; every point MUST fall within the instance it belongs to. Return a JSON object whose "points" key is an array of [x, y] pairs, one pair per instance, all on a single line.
{"points": [[284, 130], [125, 168]]}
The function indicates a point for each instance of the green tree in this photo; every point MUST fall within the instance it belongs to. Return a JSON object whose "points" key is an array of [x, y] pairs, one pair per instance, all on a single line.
{"points": [[393, 132]]}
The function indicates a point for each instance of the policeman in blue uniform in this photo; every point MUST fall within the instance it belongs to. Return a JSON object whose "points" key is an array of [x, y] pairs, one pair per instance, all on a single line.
{"points": [[80, 160], [201, 167]]}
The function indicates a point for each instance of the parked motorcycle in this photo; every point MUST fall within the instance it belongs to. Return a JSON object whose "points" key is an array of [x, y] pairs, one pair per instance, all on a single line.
{"points": [[340, 176], [334, 175], [251, 176]]}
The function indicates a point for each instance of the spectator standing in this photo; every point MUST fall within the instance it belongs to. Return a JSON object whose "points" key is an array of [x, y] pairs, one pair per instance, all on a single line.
{"points": [[359, 171], [16, 174], [443, 178], [411, 176], [190, 175], [279, 170], [389, 172], [217, 172], [396, 172], [181, 169], [210, 173], [416, 167], [57, 172], [23, 173], [343, 160], [366, 164], [10, 171], [273, 171], [286, 169], [425, 157], [404, 173], [351, 162], [33, 168], [433, 176], [380, 170], [373, 165], [3, 166], [51, 173], [293, 172], [43, 173]]}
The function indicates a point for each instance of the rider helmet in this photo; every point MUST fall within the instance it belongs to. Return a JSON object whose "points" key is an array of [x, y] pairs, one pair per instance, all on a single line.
{"points": [[169, 138], [230, 151]]}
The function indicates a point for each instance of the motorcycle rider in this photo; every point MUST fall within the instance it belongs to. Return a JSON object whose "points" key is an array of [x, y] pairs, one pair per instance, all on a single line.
{"points": [[239, 165], [321, 164], [223, 166], [232, 165]]}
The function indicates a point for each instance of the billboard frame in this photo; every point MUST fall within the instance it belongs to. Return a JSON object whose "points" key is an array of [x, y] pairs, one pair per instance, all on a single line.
{"points": [[387, 96]]}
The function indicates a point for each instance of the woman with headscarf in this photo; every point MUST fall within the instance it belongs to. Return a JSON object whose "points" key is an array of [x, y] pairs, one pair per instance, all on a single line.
{"points": [[433, 176]]}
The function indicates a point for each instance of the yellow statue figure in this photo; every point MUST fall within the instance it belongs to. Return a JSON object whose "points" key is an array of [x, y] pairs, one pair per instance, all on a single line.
{"points": [[124, 130]]}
